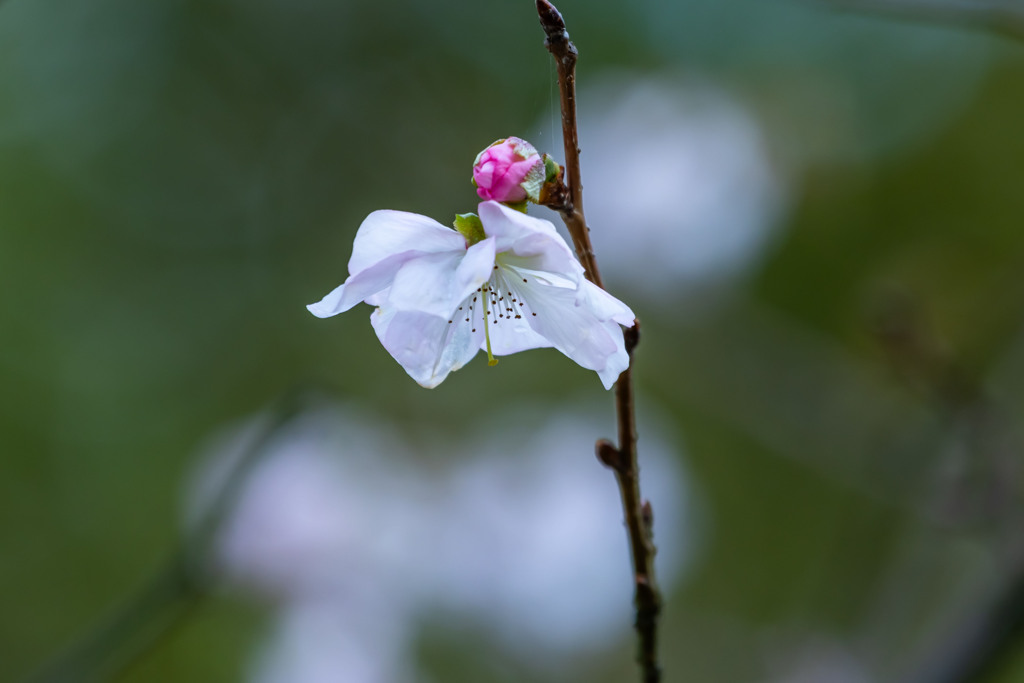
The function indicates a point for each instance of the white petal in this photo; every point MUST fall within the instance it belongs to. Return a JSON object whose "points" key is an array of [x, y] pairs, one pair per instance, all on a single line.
{"points": [[572, 329], [527, 242], [510, 336], [386, 233], [427, 346], [509, 225], [437, 283], [604, 305], [378, 299], [362, 285], [330, 304], [618, 361], [386, 242]]}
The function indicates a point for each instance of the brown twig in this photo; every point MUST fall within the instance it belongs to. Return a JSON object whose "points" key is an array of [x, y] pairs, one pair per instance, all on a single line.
{"points": [[622, 458], [565, 54]]}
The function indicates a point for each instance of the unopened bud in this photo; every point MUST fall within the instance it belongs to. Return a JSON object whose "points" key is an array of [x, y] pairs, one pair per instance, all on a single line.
{"points": [[509, 170]]}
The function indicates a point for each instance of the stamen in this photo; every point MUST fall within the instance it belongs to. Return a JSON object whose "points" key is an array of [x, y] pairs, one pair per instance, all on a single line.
{"points": [[491, 360]]}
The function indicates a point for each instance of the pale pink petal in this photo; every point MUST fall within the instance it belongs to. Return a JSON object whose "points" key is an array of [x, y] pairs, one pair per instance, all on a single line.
{"points": [[386, 233], [426, 346], [526, 242], [510, 225], [362, 285], [618, 361], [437, 283], [603, 305], [511, 335], [573, 330]]}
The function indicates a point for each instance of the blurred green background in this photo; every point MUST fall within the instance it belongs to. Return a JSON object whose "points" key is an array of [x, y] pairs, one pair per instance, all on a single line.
{"points": [[178, 178]]}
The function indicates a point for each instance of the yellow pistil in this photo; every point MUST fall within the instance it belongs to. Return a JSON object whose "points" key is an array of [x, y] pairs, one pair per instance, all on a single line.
{"points": [[491, 360]]}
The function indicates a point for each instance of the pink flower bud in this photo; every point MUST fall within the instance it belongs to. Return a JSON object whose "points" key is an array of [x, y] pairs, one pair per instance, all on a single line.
{"points": [[510, 170]]}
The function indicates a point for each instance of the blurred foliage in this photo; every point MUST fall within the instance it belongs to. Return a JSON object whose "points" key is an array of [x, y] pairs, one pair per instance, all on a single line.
{"points": [[179, 177]]}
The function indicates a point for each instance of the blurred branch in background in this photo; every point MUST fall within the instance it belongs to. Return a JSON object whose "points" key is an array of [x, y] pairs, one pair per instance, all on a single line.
{"points": [[132, 631], [981, 643], [978, 489], [974, 479], [1004, 18], [148, 617], [948, 602]]}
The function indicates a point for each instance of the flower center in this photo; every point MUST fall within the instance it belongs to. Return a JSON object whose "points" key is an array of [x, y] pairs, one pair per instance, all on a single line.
{"points": [[498, 300], [505, 300]]}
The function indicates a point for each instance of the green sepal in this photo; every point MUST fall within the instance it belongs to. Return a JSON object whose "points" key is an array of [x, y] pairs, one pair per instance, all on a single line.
{"points": [[518, 206], [551, 168], [470, 227]]}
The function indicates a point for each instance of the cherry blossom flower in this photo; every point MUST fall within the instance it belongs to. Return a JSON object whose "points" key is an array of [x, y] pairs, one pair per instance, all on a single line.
{"points": [[504, 282]]}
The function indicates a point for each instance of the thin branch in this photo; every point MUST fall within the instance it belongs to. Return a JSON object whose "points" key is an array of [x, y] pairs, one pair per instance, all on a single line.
{"points": [[621, 459], [565, 54]]}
